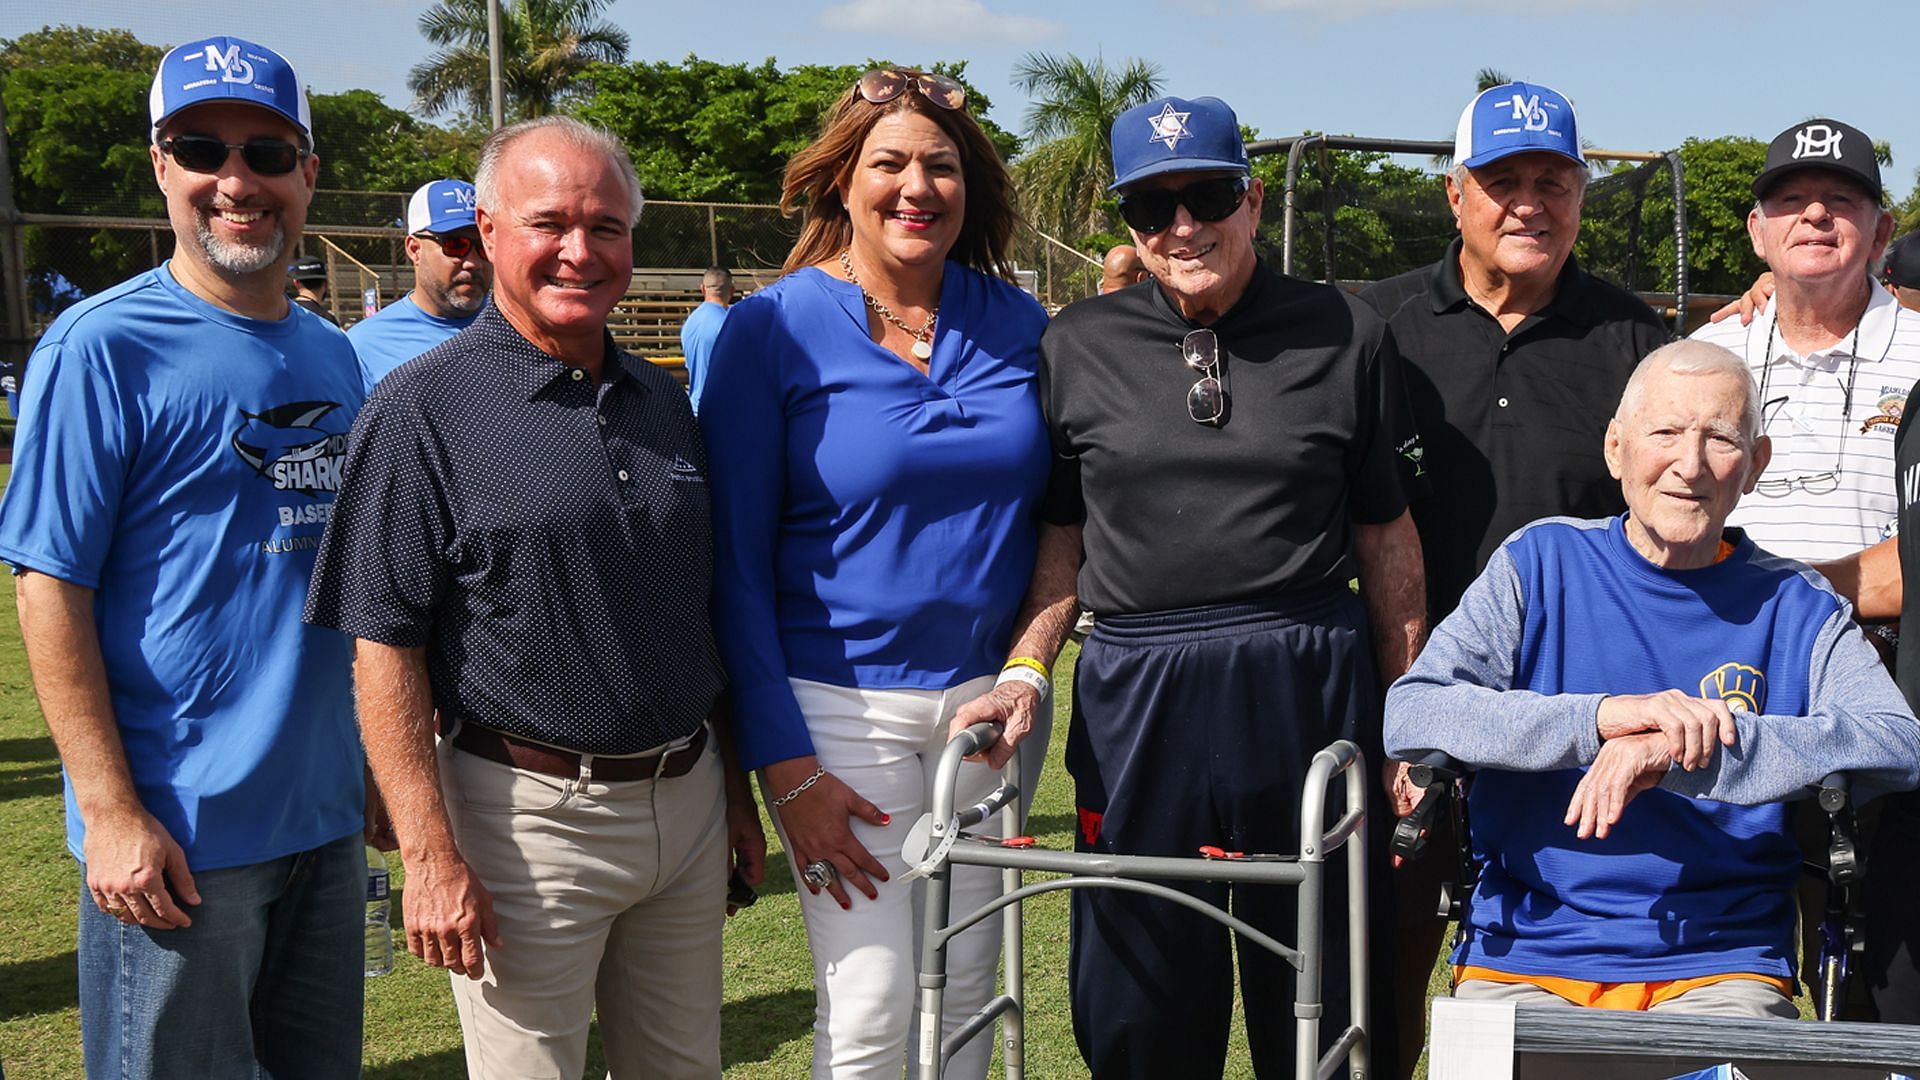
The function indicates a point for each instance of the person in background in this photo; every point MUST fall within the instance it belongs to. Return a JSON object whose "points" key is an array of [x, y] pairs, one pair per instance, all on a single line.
{"points": [[1226, 449], [179, 455], [567, 839], [703, 326], [451, 276], [1122, 267], [1515, 357], [877, 458], [1833, 352], [1902, 272], [310, 287]]}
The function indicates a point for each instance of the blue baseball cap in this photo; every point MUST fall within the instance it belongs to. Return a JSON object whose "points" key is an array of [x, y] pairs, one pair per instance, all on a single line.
{"points": [[1173, 134], [1513, 119], [441, 207], [228, 69]]}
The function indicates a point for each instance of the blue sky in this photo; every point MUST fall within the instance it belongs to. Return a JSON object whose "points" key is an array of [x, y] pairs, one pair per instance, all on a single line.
{"points": [[1644, 74]]}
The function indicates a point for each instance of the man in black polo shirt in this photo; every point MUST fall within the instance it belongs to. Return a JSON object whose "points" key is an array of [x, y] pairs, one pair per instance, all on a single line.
{"points": [[522, 545], [1515, 359], [1227, 449]]}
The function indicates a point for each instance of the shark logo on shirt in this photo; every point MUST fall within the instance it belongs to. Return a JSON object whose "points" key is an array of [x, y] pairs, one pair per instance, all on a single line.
{"points": [[297, 446]]}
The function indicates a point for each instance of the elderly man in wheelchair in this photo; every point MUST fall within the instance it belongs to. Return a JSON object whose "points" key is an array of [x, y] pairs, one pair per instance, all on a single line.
{"points": [[1636, 697]]}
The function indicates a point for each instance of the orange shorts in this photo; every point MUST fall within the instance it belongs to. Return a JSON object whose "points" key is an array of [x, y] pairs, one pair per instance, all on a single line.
{"points": [[1633, 996]]}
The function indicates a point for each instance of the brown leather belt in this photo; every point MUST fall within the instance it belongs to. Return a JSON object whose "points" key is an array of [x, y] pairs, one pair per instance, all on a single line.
{"points": [[521, 754]]}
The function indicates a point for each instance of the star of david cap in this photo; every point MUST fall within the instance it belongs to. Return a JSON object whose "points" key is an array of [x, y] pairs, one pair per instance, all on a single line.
{"points": [[1903, 262], [1173, 134], [441, 207], [1515, 118], [1820, 143], [220, 69]]}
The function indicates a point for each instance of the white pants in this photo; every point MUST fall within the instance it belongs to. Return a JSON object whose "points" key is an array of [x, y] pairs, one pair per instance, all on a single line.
{"points": [[607, 893], [886, 745]]}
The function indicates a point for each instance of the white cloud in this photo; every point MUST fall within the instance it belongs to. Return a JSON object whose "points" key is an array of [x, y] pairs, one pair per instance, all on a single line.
{"points": [[1335, 10], [949, 21]]}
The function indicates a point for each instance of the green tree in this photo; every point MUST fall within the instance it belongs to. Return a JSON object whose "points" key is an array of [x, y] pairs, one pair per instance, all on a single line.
{"points": [[546, 47], [1719, 176], [1063, 175], [58, 46]]}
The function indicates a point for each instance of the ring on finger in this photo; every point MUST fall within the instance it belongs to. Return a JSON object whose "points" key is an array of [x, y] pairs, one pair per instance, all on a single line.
{"points": [[819, 873]]}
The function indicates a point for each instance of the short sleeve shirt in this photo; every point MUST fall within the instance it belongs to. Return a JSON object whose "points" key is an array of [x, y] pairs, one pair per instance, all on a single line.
{"points": [[546, 538], [1179, 514], [1511, 424], [181, 461], [396, 334]]}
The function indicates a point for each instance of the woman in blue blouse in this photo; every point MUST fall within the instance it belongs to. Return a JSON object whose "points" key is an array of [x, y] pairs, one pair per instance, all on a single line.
{"points": [[877, 455]]}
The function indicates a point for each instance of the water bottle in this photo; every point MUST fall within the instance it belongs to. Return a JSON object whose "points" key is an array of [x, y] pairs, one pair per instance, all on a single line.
{"points": [[379, 929]]}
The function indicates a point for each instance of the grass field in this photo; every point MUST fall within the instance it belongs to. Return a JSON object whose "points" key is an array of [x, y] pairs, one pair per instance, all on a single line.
{"points": [[411, 1027]]}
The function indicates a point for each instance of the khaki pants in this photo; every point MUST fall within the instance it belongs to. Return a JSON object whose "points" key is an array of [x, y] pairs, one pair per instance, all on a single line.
{"points": [[607, 893]]}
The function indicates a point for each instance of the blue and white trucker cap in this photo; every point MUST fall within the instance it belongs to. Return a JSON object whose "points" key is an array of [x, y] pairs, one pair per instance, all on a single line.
{"points": [[228, 69], [441, 207], [1173, 134], [1513, 119]]}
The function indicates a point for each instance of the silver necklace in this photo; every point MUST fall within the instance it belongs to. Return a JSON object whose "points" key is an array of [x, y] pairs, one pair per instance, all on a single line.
{"points": [[922, 338]]}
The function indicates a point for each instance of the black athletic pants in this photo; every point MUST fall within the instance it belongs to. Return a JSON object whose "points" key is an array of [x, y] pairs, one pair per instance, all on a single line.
{"points": [[1197, 727]]}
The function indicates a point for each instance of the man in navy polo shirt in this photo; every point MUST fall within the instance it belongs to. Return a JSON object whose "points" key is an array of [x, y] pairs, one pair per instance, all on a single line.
{"points": [[176, 463], [1227, 448], [451, 276]]}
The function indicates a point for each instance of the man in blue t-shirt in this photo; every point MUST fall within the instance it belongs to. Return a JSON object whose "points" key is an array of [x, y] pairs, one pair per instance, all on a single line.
{"points": [[1638, 694], [702, 327], [451, 276], [176, 463]]}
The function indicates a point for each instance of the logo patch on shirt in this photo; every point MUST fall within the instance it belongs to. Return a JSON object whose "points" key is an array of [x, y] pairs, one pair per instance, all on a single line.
{"points": [[1741, 686], [295, 446], [1892, 405], [684, 471]]}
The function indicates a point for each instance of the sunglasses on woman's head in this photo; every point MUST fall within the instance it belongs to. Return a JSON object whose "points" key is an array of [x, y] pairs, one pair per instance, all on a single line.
{"points": [[1151, 210], [882, 85], [205, 154]]}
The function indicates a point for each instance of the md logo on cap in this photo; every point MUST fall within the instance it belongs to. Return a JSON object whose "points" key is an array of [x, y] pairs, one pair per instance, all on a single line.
{"points": [[1530, 112], [1169, 126], [1817, 140], [233, 67]]}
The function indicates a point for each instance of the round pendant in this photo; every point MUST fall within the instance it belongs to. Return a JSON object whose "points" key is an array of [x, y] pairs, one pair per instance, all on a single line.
{"points": [[922, 350]]}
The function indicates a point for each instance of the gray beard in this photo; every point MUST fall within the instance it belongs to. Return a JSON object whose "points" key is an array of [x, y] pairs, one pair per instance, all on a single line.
{"points": [[239, 258], [455, 304]]}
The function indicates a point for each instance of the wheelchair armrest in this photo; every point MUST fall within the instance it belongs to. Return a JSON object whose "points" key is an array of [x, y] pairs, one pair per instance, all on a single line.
{"points": [[1434, 773], [1835, 791]]}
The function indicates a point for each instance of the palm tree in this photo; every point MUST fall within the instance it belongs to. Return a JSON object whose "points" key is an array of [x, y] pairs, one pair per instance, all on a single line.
{"points": [[1064, 175], [545, 45]]}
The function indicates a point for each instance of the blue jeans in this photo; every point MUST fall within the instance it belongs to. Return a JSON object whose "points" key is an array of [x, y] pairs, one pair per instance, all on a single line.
{"points": [[265, 983]]}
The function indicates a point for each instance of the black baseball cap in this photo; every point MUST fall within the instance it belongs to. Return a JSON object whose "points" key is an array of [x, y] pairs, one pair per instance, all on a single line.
{"points": [[1903, 262], [307, 270], [1820, 143]]}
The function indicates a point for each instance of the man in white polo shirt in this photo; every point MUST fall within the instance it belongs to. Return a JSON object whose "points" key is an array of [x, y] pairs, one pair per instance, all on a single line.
{"points": [[451, 276], [1833, 352]]}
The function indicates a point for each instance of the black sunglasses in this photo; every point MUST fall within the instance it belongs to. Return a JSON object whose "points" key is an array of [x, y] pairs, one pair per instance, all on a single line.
{"points": [[882, 85], [1150, 210], [205, 154], [455, 245]]}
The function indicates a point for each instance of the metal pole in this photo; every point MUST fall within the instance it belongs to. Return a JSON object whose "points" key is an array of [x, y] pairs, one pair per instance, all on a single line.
{"points": [[497, 82], [713, 239], [1679, 242], [13, 264]]}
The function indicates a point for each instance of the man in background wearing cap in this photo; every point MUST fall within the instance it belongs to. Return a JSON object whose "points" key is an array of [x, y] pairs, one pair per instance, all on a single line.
{"points": [[1227, 448], [1832, 351], [1902, 273], [451, 276], [1515, 358], [178, 459], [310, 287]]}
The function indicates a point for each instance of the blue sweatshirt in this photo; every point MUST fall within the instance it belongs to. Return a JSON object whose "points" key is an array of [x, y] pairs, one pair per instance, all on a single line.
{"points": [[1697, 877], [873, 526]]}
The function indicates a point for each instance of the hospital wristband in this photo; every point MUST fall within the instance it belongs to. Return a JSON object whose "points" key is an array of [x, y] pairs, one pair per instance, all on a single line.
{"points": [[1020, 673], [1030, 662]]}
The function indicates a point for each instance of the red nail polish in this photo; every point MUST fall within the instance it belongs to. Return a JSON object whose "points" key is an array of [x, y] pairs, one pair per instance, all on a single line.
{"points": [[846, 905], [886, 819]]}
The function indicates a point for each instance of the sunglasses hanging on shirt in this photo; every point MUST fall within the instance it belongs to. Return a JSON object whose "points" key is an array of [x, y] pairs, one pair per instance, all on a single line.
{"points": [[1206, 399]]}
